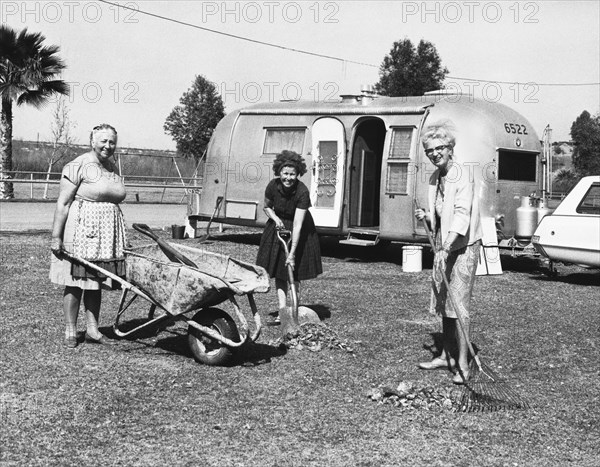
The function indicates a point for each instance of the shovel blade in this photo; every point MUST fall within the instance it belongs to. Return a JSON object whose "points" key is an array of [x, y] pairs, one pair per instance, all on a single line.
{"points": [[307, 315]]}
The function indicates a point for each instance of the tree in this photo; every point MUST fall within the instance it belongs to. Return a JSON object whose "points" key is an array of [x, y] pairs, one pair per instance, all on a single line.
{"points": [[191, 124], [62, 137], [410, 71], [585, 133], [27, 76], [557, 149], [564, 180]]}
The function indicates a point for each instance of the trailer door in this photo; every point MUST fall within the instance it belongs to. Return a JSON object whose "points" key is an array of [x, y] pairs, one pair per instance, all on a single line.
{"points": [[399, 177], [327, 183]]}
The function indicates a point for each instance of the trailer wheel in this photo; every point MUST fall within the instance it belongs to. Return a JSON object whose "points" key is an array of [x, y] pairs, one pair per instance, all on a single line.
{"points": [[205, 349]]}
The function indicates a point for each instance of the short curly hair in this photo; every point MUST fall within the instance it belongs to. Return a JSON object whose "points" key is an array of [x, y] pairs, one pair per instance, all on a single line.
{"points": [[289, 159], [443, 130]]}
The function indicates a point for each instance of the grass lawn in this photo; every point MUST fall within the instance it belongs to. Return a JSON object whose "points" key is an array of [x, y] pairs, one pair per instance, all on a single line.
{"points": [[147, 402]]}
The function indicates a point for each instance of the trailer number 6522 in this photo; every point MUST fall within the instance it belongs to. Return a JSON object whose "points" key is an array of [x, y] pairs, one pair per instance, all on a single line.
{"points": [[515, 128]]}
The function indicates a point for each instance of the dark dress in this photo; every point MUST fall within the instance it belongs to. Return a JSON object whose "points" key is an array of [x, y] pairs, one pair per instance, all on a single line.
{"points": [[271, 254]]}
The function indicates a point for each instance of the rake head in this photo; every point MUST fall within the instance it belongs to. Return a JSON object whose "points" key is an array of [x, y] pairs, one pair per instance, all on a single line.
{"points": [[486, 391]]}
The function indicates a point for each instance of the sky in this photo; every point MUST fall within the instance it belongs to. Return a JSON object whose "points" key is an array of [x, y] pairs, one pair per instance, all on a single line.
{"points": [[130, 69]]}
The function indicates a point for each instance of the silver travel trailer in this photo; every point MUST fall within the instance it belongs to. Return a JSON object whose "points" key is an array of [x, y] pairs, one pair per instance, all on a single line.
{"points": [[366, 163]]}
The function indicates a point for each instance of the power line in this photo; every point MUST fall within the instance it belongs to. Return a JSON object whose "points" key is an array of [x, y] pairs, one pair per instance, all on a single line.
{"points": [[235, 36], [314, 54], [531, 83]]}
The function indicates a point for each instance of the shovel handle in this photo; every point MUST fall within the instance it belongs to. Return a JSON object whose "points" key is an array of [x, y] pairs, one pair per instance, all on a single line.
{"points": [[290, 271]]}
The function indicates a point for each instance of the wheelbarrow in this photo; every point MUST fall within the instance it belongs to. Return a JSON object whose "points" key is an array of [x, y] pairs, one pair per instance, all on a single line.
{"points": [[183, 281]]}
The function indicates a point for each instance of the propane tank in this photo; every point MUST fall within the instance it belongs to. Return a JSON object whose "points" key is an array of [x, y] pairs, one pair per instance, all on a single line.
{"points": [[526, 218], [542, 210]]}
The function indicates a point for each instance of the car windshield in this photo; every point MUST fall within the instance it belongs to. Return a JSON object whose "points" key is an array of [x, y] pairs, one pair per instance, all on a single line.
{"points": [[590, 204]]}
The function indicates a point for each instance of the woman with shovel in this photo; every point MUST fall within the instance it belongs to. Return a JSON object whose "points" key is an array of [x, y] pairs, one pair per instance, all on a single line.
{"points": [[286, 205], [453, 218]]}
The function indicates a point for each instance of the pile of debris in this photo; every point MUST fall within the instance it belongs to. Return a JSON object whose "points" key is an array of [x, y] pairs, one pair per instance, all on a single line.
{"points": [[409, 396], [313, 337]]}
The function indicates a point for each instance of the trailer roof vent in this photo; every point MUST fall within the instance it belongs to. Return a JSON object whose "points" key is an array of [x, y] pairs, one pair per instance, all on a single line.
{"points": [[367, 93], [443, 92], [350, 98]]}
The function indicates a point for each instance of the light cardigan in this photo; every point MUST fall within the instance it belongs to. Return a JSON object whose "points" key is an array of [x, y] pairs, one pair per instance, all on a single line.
{"points": [[460, 209]]}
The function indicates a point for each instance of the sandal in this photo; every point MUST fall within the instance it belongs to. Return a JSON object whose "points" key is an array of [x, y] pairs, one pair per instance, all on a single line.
{"points": [[437, 363]]}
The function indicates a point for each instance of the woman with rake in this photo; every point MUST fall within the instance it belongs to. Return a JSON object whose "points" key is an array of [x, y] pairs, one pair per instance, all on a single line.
{"points": [[88, 223], [453, 218]]}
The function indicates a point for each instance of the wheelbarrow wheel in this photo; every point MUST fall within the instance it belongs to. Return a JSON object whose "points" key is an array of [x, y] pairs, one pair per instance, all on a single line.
{"points": [[205, 349]]}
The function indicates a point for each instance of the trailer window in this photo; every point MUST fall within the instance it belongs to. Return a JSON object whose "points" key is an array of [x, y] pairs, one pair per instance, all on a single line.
{"points": [[517, 166], [397, 178], [590, 204], [400, 145], [327, 175], [398, 159], [280, 139]]}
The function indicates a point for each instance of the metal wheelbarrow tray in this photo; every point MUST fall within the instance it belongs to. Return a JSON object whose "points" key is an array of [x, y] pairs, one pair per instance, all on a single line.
{"points": [[179, 289]]}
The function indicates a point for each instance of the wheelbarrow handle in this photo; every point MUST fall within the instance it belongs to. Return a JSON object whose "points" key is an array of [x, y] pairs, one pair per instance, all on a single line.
{"points": [[120, 280], [167, 249]]}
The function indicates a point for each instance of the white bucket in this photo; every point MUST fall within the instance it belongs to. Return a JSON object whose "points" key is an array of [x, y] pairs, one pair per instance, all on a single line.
{"points": [[412, 258]]}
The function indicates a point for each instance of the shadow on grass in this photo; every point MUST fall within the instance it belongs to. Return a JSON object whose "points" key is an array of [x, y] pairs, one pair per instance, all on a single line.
{"points": [[322, 311], [330, 247], [383, 252], [250, 354], [175, 341], [436, 346], [591, 278]]}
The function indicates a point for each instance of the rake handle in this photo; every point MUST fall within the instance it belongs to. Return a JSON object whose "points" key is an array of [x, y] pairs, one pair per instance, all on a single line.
{"points": [[451, 297]]}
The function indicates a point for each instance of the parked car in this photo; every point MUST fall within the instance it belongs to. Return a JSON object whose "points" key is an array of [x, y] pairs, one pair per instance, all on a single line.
{"points": [[571, 234]]}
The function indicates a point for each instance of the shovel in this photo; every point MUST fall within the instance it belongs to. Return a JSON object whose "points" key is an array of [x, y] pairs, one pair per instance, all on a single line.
{"points": [[295, 314]]}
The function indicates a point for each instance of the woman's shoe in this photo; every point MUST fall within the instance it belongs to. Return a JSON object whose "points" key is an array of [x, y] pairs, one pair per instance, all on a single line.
{"points": [[101, 340], [70, 342], [437, 363]]}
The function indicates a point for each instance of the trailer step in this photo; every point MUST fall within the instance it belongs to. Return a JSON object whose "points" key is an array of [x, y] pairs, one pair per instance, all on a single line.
{"points": [[361, 238]]}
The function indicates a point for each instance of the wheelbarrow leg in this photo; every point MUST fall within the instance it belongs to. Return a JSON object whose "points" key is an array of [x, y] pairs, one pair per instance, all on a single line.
{"points": [[123, 307], [151, 311], [256, 317]]}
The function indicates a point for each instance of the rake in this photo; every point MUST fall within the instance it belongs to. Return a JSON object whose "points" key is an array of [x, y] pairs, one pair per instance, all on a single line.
{"points": [[483, 390]]}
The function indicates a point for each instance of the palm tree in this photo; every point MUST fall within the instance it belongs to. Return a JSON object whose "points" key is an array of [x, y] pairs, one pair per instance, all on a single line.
{"points": [[27, 76]]}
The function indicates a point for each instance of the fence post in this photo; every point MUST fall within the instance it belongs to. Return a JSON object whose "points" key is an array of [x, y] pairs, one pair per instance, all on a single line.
{"points": [[163, 192], [31, 186]]}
